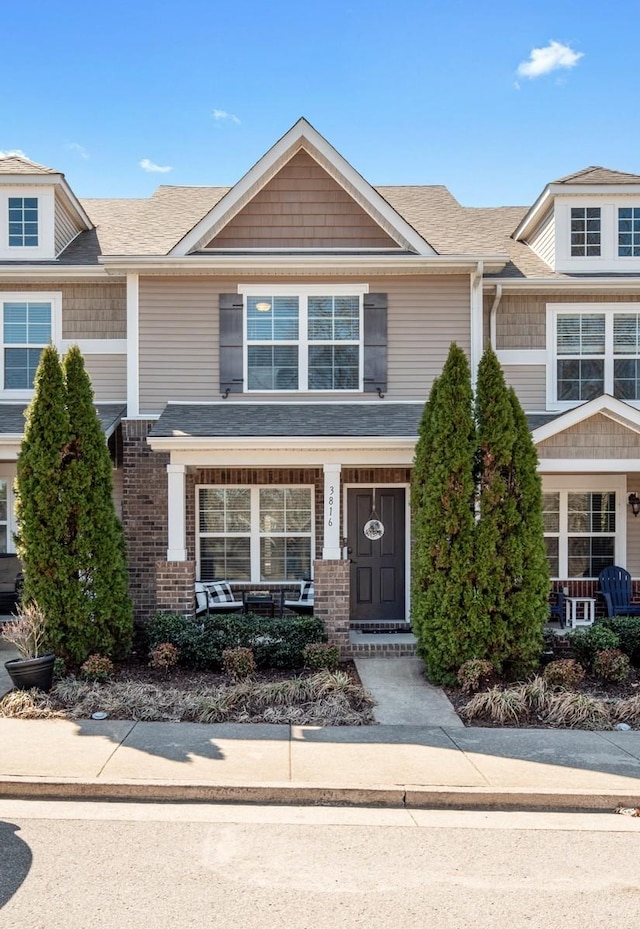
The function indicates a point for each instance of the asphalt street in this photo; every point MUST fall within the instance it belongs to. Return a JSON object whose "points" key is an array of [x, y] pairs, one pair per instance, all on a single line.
{"points": [[109, 865]]}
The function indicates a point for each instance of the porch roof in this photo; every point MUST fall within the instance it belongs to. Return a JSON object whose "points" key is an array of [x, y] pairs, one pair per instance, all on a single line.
{"points": [[225, 419], [12, 417]]}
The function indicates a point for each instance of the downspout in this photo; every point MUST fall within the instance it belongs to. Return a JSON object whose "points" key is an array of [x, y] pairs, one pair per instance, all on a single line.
{"points": [[493, 337], [476, 320]]}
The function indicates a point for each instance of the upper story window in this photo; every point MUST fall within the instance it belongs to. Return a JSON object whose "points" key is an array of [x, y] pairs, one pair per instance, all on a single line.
{"points": [[629, 232], [23, 222], [28, 322], [585, 231], [307, 341], [596, 352]]}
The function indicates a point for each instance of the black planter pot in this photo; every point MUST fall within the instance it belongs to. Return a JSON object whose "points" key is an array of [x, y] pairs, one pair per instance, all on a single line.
{"points": [[27, 673]]}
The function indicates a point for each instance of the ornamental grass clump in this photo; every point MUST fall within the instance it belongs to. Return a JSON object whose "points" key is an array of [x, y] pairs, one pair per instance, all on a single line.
{"points": [[612, 665], [565, 673], [475, 674], [497, 706], [97, 668], [578, 711]]}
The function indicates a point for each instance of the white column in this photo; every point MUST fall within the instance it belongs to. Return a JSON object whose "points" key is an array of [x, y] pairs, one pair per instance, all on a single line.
{"points": [[331, 548], [133, 346], [177, 528]]}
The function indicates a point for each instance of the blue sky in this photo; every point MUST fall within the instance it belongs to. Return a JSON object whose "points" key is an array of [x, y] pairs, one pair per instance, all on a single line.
{"points": [[418, 92]]}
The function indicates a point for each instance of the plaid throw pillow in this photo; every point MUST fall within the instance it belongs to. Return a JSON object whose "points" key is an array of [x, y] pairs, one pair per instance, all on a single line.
{"points": [[220, 593], [306, 596]]}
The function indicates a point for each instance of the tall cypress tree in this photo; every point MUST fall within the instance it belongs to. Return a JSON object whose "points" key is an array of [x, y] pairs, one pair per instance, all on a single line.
{"points": [[512, 570], [70, 542], [496, 547], [42, 506], [102, 611], [528, 603], [443, 488]]}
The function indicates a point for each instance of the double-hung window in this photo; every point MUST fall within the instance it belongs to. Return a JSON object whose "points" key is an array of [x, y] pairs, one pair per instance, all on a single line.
{"points": [[304, 341], [581, 531], [23, 222], [27, 322], [597, 351], [255, 533]]}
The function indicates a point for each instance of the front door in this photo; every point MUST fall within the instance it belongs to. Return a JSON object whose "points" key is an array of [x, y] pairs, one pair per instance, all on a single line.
{"points": [[377, 564]]}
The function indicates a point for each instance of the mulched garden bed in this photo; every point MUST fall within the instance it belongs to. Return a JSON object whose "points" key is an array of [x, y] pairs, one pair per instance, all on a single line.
{"points": [[137, 692], [591, 688]]}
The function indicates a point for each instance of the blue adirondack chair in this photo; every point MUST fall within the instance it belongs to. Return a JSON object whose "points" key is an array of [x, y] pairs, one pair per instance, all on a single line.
{"points": [[557, 607], [615, 588]]}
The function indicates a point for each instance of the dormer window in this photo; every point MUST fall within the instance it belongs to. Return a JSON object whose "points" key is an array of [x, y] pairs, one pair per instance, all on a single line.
{"points": [[629, 232], [585, 231], [23, 222]]}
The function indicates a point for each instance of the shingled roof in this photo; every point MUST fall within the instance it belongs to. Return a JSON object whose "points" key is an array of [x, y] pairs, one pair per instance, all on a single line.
{"points": [[18, 164], [597, 175]]}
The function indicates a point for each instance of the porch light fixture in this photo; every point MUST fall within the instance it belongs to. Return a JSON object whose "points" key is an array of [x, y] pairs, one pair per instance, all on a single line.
{"points": [[263, 306], [634, 503]]}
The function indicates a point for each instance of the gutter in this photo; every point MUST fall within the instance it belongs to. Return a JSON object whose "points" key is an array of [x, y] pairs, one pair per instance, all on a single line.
{"points": [[492, 317]]}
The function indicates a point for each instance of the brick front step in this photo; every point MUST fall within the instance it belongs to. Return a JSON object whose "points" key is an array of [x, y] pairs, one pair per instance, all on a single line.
{"points": [[380, 626], [382, 645]]}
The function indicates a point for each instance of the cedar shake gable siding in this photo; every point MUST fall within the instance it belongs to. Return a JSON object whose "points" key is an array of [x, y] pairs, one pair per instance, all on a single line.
{"points": [[302, 207]]}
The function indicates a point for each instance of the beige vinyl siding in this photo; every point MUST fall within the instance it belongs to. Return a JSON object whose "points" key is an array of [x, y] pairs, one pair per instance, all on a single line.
{"points": [[543, 241], [108, 375], [302, 207], [633, 528], [179, 337], [596, 437], [521, 321], [66, 227], [529, 383]]}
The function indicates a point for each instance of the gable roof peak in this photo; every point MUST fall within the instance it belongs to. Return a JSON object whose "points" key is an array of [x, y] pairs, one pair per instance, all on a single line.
{"points": [[597, 174], [14, 163]]}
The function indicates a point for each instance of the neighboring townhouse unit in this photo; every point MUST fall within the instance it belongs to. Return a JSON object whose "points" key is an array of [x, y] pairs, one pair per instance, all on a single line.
{"points": [[261, 356]]}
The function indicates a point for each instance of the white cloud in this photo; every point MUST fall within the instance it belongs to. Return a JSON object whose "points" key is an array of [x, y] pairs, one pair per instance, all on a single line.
{"points": [[552, 57], [222, 115], [13, 151], [79, 150], [152, 168]]}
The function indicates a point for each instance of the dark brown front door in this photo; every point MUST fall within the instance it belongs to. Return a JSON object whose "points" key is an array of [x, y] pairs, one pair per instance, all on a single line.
{"points": [[377, 565]]}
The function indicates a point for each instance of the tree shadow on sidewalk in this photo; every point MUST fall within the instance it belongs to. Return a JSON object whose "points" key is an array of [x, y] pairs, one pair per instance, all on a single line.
{"points": [[16, 859]]}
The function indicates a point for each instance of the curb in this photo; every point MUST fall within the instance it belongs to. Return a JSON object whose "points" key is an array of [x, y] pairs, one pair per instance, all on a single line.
{"points": [[390, 797]]}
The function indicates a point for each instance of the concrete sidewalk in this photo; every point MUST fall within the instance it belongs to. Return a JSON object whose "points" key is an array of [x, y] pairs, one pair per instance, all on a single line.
{"points": [[394, 766]]}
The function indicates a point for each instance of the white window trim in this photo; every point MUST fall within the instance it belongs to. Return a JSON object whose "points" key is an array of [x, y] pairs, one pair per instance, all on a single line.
{"points": [[303, 292], [608, 260], [609, 310], [254, 534], [30, 296], [603, 483], [8, 474], [45, 250]]}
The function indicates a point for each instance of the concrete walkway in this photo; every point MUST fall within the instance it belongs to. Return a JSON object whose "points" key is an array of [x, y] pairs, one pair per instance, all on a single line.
{"points": [[403, 695]]}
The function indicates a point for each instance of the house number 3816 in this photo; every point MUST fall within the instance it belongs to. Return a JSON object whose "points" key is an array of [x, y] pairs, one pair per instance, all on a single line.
{"points": [[332, 491]]}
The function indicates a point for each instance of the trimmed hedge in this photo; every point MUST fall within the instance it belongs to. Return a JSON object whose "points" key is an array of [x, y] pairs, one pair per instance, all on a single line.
{"points": [[276, 643]]}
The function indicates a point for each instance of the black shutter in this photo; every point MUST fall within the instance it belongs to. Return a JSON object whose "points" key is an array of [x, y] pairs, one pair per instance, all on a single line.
{"points": [[375, 343], [231, 310]]}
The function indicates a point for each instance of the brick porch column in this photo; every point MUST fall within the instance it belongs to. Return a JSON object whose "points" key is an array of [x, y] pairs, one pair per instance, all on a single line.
{"points": [[174, 587], [332, 599]]}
